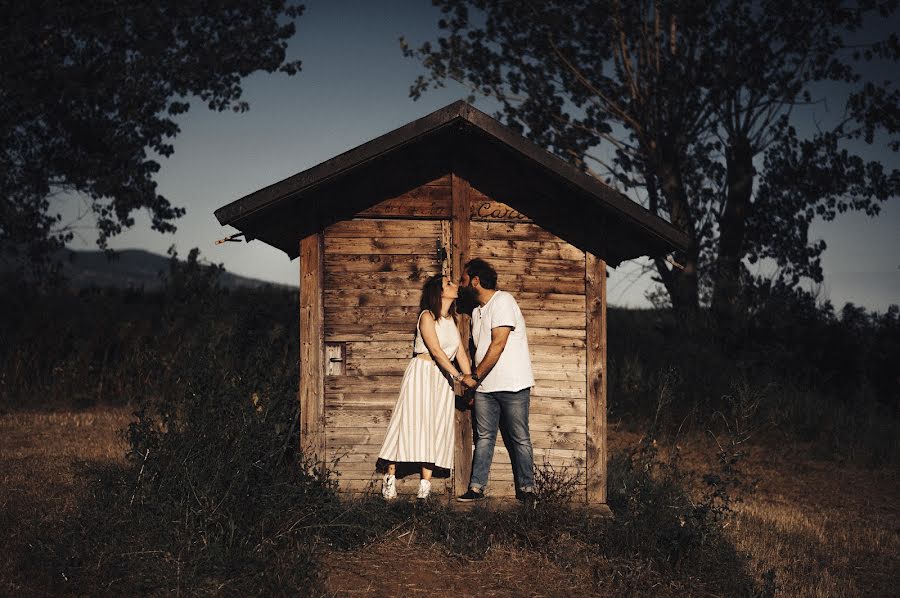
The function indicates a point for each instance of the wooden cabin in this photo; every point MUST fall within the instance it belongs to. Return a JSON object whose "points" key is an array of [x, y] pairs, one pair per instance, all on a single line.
{"points": [[372, 224]]}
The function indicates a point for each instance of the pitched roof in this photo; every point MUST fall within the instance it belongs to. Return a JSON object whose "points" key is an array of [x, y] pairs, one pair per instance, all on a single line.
{"points": [[576, 206]]}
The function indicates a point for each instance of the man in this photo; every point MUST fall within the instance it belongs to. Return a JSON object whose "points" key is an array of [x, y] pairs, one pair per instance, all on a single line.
{"points": [[502, 380]]}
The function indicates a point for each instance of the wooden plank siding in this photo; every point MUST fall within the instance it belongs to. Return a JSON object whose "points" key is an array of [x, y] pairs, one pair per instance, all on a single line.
{"points": [[595, 284], [546, 276], [430, 201], [371, 225], [374, 267], [312, 348], [461, 192], [372, 271]]}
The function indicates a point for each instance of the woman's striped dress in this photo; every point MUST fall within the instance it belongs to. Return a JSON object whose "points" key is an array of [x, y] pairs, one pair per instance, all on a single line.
{"points": [[421, 426]]}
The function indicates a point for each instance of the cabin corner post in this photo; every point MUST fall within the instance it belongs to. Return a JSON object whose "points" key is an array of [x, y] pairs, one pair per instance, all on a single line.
{"points": [[595, 305], [462, 458], [312, 348]]}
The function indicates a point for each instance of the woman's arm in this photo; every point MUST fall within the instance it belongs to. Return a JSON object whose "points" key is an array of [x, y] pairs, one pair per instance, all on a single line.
{"points": [[429, 335]]}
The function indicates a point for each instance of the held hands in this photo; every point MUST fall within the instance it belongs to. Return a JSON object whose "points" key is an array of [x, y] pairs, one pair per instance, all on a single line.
{"points": [[462, 384], [466, 384], [469, 382]]}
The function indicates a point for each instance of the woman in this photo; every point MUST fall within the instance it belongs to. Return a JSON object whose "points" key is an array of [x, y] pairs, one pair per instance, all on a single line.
{"points": [[421, 427]]}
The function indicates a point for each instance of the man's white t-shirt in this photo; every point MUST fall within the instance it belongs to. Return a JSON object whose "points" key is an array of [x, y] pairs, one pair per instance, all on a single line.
{"points": [[513, 370]]}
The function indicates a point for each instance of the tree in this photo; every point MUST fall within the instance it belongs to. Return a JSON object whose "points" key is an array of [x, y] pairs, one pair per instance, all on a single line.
{"points": [[88, 89], [691, 106]]}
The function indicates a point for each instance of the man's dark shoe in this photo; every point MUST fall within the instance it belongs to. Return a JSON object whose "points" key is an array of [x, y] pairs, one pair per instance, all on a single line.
{"points": [[529, 500], [470, 496]]}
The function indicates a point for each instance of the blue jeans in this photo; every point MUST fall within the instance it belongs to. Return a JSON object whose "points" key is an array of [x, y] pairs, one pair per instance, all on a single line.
{"points": [[510, 411]]}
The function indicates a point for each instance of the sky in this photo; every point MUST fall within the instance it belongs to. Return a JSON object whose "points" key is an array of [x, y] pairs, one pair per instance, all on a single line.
{"points": [[353, 87]]}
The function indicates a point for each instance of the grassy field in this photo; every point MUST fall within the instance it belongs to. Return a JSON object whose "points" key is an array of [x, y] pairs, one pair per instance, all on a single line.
{"points": [[804, 525], [215, 500]]}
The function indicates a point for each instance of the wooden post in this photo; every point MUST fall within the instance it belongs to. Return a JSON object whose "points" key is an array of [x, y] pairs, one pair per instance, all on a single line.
{"points": [[595, 305], [312, 347], [462, 457]]}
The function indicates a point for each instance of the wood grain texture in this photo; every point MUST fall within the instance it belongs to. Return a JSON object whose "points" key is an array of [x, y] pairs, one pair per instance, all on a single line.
{"points": [[373, 267], [420, 266], [482, 207], [381, 246], [368, 297], [354, 336], [368, 366], [381, 349], [373, 227], [595, 277], [502, 249], [404, 276], [529, 283], [312, 348], [512, 231], [459, 255], [427, 201], [539, 270]]}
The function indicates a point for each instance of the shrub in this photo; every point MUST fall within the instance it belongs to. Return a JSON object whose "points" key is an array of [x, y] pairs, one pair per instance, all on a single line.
{"points": [[215, 499]]}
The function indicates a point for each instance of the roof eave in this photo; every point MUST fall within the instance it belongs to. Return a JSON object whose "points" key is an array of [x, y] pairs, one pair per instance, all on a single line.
{"points": [[335, 167], [243, 213]]}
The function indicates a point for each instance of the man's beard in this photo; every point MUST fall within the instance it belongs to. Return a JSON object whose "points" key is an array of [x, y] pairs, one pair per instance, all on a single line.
{"points": [[466, 300]]}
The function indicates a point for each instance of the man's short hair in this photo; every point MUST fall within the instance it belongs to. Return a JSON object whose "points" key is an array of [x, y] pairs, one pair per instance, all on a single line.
{"points": [[483, 270]]}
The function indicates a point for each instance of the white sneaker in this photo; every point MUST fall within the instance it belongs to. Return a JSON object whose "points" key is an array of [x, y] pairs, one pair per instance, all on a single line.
{"points": [[424, 489], [389, 487]]}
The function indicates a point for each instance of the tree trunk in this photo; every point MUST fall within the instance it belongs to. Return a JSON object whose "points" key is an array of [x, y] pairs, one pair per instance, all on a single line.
{"points": [[726, 301], [683, 288], [682, 285]]}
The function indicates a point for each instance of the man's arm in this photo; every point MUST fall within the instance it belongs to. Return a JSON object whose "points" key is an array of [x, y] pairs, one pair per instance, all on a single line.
{"points": [[499, 336]]}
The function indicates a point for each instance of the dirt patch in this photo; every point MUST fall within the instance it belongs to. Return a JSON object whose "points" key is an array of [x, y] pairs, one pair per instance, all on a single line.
{"points": [[397, 566]]}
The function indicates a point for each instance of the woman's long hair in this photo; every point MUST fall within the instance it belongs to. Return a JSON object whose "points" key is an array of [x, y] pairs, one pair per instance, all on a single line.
{"points": [[431, 297]]}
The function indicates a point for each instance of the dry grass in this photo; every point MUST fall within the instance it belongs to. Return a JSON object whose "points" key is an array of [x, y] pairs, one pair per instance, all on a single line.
{"points": [[40, 451], [41, 479], [823, 528]]}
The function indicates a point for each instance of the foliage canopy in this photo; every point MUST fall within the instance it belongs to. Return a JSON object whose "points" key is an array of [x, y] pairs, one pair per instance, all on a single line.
{"points": [[89, 92], [694, 106]]}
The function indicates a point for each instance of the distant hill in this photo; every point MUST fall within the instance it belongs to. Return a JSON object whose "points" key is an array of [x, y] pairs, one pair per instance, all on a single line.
{"points": [[134, 268]]}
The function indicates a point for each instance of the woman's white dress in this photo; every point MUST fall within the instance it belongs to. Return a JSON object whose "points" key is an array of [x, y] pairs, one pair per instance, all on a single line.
{"points": [[421, 426]]}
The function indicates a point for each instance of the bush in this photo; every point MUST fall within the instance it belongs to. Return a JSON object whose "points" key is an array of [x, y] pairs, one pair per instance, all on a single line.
{"points": [[216, 498]]}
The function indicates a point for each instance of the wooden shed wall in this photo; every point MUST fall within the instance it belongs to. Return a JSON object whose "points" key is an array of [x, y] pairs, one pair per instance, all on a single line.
{"points": [[373, 268], [546, 276]]}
